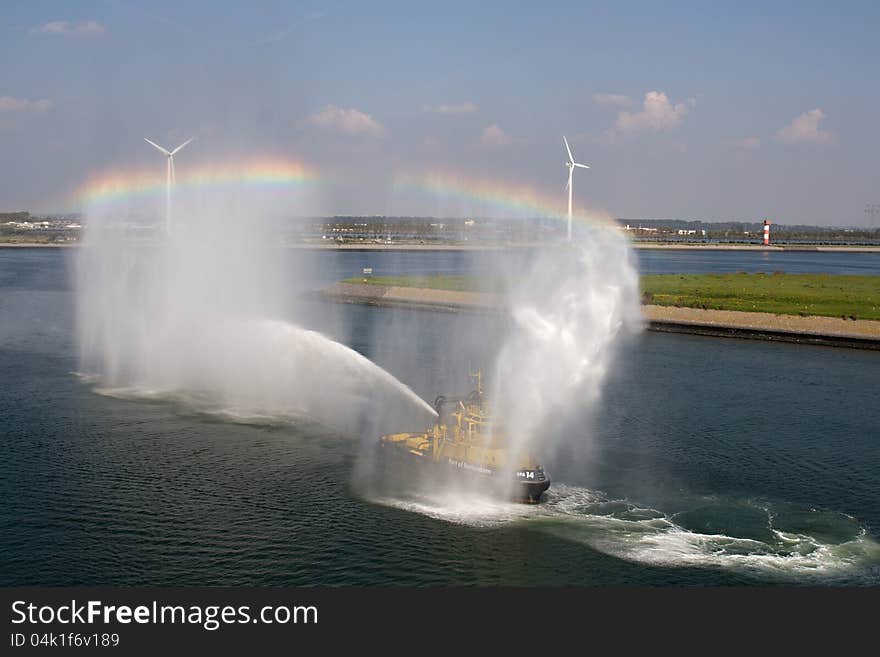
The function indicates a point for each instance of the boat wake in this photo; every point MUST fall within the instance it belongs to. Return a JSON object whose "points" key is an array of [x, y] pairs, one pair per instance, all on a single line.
{"points": [[776, 542]]}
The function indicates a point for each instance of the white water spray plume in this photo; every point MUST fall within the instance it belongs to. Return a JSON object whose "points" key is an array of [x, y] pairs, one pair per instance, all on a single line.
{"points": [[566, 309], [569, 311], [209, 314]]}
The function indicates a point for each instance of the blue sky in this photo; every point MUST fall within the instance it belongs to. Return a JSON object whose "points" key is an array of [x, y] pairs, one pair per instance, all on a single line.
{"points": [[708, 110]]}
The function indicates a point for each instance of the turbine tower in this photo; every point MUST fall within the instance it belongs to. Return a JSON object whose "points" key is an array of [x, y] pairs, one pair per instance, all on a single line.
{"points": [[169, 178], [571, 164]]}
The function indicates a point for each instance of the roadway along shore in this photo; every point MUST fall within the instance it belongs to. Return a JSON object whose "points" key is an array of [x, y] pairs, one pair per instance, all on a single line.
{"points": [[829, 331], [670, 246]]}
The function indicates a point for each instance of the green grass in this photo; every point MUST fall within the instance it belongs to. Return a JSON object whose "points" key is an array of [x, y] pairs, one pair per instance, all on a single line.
{"points": [[787, 294], [42, 238]]}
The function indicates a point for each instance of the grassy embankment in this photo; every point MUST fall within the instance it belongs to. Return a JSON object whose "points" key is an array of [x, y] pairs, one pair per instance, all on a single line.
{"points": [[853, 297], [35, 240]]}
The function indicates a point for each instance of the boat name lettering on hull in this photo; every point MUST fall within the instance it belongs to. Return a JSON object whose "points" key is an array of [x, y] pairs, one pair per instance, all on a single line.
{"points": [[470, 466]]}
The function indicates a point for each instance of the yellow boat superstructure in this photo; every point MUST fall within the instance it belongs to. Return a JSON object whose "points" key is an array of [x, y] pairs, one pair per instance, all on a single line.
{"points": [[463, 438]]}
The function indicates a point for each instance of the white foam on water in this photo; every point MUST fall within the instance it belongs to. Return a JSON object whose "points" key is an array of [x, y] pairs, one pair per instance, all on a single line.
{"points": [[470, 509], [647, 536], [678, 547]]}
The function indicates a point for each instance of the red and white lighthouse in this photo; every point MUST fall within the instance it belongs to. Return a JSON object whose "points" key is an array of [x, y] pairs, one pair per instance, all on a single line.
{"points": [[766, 233]]}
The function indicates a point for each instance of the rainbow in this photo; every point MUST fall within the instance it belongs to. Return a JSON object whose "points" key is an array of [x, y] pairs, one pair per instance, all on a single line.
{"points": [[495, 196], [484, 196], [124, 184]]}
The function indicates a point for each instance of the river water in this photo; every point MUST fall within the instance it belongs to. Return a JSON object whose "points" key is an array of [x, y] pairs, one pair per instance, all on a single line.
{"points": [[711, 462]]}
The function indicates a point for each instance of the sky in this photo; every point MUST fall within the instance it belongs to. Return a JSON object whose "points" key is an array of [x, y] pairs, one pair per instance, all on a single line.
{"points": [[691, 110]]}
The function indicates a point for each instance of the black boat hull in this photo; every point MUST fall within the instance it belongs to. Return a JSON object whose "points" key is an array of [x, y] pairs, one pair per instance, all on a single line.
{"points": [[526, 486], [531, 492]]}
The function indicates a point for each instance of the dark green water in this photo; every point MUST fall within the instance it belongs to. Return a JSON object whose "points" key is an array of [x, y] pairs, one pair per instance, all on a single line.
{"points": [[710, 462]]}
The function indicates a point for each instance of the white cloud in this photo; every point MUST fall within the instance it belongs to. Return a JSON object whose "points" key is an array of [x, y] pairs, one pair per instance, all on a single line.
{"points": [[460, 108], [11, 104], [804, 129], [612, 100], [494, 136], [657, 114], [83, 28], [749, 143], [347, 121]]}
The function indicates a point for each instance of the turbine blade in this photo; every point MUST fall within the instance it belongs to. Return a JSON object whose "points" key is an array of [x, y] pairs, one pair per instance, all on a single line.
{"points": [[570, 156], [568, 183], [152, 143], [182, 145], [173, 173], [582, 166]]}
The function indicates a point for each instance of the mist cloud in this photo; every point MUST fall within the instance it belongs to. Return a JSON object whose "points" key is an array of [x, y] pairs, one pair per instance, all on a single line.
{"points": [[494, 136], [611, 100], [83, 28], [347, 121], [12, 104], [804, 129], [460, 108], [657, 114]]}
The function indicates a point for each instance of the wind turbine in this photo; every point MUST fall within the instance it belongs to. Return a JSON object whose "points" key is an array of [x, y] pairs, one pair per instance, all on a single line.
{"points": [[571, 164], [169, 178]]}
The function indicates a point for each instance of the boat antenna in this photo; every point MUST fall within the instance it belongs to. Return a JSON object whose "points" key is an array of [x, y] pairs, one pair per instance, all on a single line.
{"points": [[478, 379]]}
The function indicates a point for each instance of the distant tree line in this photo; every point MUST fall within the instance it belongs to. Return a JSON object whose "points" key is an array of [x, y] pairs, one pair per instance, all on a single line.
{"points": [[14, 216], [730, 230]]}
